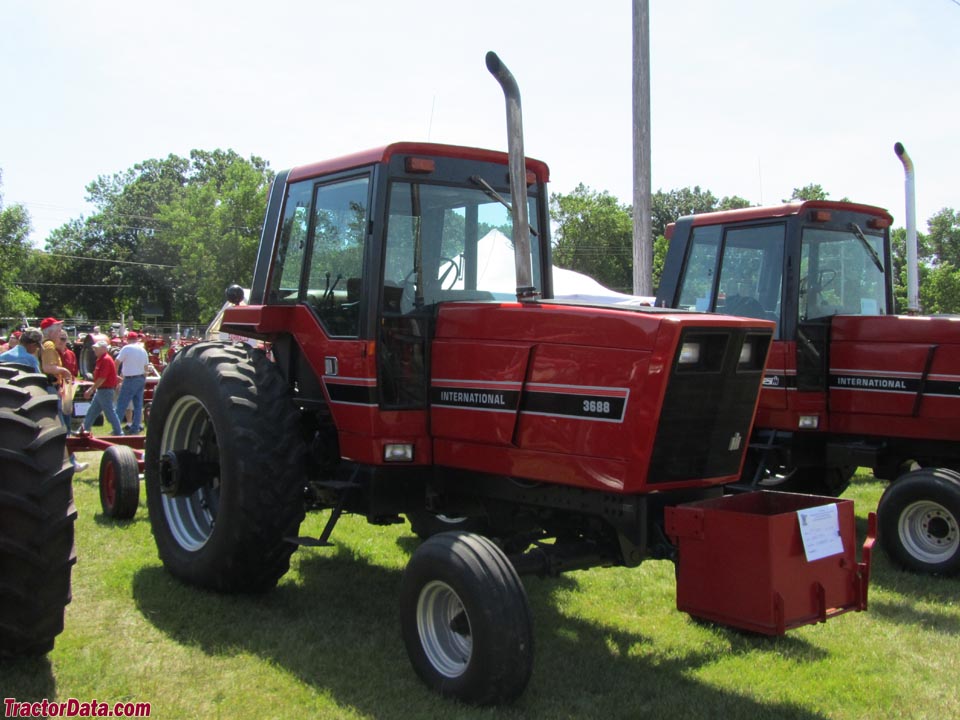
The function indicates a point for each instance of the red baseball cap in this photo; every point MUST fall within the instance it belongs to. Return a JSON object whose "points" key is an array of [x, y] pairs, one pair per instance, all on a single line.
{"points": [[15, 333], [47, 322], [133, 335]]}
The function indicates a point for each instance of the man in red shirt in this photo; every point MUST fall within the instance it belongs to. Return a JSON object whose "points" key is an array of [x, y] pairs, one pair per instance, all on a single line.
{"points": [[104, 385], [67, 357]]}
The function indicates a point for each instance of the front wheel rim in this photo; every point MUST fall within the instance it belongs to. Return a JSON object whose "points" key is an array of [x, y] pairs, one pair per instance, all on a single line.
{"points": [[444, 629], [109, 486], [929, 531], [192, 518]]}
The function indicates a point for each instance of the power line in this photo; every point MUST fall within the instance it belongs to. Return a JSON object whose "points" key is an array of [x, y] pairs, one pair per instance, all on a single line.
{"points": [[75, 285], [115, 262]]}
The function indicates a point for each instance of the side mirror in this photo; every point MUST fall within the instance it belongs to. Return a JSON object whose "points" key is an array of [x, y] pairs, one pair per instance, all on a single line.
{"points": [[234, 294]]}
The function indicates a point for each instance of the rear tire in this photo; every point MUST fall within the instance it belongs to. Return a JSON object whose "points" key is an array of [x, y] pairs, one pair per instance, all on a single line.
{"points": [[119, 482], [465, 620], [225, 412], [919, 521], [37, 516]]}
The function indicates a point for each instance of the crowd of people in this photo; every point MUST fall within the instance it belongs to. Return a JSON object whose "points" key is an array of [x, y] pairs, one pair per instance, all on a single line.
{"points": [[117, 384]]}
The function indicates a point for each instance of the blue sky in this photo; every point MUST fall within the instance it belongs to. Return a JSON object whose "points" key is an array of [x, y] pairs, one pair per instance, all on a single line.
{"points": [[749, 98]]}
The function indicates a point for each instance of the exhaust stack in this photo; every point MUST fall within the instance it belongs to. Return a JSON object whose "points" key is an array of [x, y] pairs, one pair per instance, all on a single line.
{"points": [[913, 282], [518, 178]]}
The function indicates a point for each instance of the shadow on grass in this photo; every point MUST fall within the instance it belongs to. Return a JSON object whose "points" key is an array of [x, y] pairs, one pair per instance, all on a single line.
{"points": [[336, 628], [908, 612], [109, 522], [27, 679]]}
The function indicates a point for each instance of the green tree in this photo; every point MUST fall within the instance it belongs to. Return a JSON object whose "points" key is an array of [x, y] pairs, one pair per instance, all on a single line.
{"points": [[172, 232], [808, 192], [214, 226], [943, 241], [938, 265], [594, 235], [16, 297], [667, 207]]}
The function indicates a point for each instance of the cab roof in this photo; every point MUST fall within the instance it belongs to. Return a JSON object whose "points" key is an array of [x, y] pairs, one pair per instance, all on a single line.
{"points": [[384, 153], [778, 211]]}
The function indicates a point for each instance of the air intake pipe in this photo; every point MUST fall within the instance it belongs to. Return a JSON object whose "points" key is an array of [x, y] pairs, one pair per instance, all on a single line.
{"points": [[518, 178], [913, 282]]}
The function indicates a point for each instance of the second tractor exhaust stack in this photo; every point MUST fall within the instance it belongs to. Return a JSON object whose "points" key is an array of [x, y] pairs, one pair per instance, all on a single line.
{"points": [[913, 282]]}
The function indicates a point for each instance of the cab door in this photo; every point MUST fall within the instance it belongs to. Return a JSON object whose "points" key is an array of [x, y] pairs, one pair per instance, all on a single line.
{"points": [[320, 270], [739, 271]]}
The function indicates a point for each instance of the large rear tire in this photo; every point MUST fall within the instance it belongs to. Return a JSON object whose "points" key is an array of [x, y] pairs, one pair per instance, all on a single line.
{"points": [[919, 521], [37, 516], [224, 469], [465, 620]]}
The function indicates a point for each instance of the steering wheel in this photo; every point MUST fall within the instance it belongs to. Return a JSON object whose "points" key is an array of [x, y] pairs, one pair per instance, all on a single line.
{"points": [[744, 306], [446, 265], [826, 277], [450, 264]]}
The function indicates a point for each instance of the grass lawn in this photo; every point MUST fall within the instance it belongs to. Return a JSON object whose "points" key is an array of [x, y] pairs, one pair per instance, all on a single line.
{"points": [[609, 642]]}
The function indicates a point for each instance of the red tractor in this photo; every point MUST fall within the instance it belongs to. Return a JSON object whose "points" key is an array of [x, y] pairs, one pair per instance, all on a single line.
{"points": [[848, 383], [406, 379]]}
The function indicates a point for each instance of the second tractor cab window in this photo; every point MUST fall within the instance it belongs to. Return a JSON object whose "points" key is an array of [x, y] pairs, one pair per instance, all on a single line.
{"points": [[841, 273], [739, 272]]}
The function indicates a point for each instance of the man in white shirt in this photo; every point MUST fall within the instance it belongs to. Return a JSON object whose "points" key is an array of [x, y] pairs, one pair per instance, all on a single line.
{"points": [[132, 362]]}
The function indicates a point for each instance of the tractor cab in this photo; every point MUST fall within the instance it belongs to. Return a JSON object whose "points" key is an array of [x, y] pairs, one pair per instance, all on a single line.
{"points": [[799, 265]]}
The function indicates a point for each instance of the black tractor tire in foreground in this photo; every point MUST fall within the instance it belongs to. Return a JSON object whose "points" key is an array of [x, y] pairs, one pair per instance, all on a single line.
{"points": [[919, 521], [465, 620], [37, 516], [119, 482], [225, 433]]}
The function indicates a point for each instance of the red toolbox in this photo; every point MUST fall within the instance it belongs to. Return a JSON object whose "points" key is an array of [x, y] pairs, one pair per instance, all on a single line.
{"points": [[743, 560]]}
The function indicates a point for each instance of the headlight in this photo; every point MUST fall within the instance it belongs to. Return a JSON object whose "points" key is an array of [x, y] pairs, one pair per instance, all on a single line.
{"points": [[689, 353], [746, 353]]}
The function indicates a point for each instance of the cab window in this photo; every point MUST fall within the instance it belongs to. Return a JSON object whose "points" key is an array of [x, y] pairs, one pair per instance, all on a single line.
{"points": [[320, 256]]}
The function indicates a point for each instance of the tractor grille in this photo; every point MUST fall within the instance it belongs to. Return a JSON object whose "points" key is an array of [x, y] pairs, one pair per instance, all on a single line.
{"points": [[705, 419]]}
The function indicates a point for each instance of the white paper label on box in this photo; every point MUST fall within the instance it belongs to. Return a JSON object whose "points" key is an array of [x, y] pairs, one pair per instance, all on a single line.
{"points": [[820, 530]]}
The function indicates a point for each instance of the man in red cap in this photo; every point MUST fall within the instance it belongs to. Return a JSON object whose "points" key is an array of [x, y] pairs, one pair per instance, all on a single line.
{"points": [[102, 392]]}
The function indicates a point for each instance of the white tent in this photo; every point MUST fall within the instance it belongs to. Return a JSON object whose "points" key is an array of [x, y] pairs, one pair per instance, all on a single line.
{"points": [[496, 273]]}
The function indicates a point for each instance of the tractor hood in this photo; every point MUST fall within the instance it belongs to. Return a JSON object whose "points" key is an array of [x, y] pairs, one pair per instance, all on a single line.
{"points": [[583, 394]]}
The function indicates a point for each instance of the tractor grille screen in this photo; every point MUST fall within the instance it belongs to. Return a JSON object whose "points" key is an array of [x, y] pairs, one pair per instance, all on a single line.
{"points": [[706, 415]]}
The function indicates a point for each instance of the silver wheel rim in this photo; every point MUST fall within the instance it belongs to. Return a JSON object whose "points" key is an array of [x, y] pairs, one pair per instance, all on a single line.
{"points": [[929, 531], [439, 609], [191, 519]]}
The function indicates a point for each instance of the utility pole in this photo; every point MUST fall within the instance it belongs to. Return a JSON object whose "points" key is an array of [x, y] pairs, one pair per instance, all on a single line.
{"points": [[642, 242]]}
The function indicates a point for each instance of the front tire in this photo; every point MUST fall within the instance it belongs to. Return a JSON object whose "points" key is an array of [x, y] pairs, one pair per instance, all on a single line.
{"points": [[465, 620], [919, 521], [37, 516], [119, 482], [224, 468]]}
